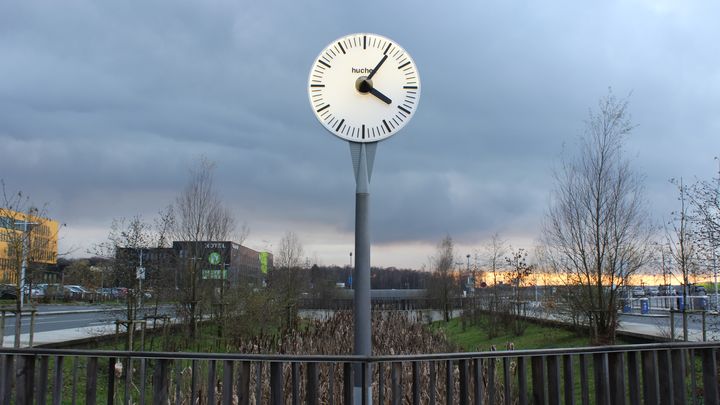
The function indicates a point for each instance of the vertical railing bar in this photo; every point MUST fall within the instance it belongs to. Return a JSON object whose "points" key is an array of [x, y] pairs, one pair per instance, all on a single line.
{"points": [[553, 380], [618, 392], [347, 383], [58, 381], [433, 382], [311, 380], [633, 377], [381, 382], [491, 380], [295, 382], [665, 375], [161, 382], [227, 388], [415, 383], [25, 379], [8, 380], [464, 381], [568, 380], [449, 381], [42, 383], [602, 376], [3, 360], [539, 391], [111, 381], [584, 383], [651, 394], [522, 380], [395, 370], [211, 382], [710, 376], [143, 380], [678, 375], [243, 390], [507, 382], [91, 381], [276, 383]]}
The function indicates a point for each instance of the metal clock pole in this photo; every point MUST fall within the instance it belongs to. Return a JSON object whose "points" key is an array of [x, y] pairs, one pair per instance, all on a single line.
{"points": [[363, 156]]}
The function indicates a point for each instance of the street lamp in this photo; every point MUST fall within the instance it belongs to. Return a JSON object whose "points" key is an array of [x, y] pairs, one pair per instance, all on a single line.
{"points": [[472, 287]]}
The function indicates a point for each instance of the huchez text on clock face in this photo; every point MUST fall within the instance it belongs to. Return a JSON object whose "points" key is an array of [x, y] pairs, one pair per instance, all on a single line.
{"points": [[364, 87]]}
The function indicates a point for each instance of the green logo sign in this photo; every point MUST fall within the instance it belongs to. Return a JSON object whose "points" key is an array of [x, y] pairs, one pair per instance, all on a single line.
{"points": [[263, 262], [214, 258]]}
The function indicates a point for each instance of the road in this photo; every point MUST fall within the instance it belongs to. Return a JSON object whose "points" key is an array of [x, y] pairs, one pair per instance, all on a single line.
{"points": [[57, 317]]}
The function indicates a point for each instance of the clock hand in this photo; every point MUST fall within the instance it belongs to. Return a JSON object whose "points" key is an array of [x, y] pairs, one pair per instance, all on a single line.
{"points": [[377, 67], [379, 95]]}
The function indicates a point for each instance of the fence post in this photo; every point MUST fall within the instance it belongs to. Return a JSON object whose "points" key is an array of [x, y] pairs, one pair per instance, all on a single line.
{"points": [[161, 381], [678, 375], [616, 366], [710, 384], [276, 383], [651, 391], [311, 383], [91, 381], [539, 392], [227, 397], [553, 373], [24, 380]]}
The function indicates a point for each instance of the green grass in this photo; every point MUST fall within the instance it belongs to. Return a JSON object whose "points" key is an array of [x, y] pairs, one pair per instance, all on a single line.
{"points": [[536, 336]]}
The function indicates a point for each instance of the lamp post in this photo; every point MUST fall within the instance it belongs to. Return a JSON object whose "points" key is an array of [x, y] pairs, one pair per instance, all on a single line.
{"points": [[472, 286], [350, 274]]}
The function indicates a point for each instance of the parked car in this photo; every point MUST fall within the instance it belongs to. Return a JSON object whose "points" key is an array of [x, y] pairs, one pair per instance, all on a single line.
{"points": [[37, 292], [652, 291], [666, 291], [8, 292], [638, 292]]}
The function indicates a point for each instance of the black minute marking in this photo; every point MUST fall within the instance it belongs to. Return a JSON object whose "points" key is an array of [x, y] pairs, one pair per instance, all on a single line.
{"points": [[364, 41], [386, 125], [339, 125], [409, 87], [326, 106], [404, 109], [323, 62], [341, 47], [403, 65], [363, 131], [317, 85]]}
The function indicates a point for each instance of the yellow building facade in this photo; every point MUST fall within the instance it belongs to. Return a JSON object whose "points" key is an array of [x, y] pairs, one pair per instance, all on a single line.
{"points": [[36, 235]]}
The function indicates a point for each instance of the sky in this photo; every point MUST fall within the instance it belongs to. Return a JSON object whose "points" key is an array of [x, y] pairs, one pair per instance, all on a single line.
{"points": [[105, 106]]}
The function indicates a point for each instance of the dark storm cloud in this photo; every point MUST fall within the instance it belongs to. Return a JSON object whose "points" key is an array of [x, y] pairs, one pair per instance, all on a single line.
{"points": [[105, 105]]}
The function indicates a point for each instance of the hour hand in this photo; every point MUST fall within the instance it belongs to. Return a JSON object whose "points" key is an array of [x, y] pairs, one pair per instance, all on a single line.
{"points": [[379, 95]]}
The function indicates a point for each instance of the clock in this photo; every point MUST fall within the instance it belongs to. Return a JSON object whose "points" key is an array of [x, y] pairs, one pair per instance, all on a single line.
{"points": [[364, 88]]}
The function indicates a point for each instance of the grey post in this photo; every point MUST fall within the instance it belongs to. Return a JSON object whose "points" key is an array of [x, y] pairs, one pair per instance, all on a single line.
{"points": [[363, 156]]}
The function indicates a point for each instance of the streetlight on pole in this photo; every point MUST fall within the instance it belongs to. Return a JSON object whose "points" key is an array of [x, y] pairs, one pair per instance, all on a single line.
{"points": [[472, 285], [349, 279]]}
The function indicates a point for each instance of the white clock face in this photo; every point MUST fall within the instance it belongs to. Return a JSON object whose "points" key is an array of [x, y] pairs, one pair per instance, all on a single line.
{"points": [[364, 87]]}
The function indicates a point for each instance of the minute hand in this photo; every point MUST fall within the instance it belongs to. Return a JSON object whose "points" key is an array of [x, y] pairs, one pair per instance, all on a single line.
{"points": [[377, 67]]}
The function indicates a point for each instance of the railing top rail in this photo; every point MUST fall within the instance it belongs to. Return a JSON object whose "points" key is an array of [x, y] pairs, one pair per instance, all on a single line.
{"points": [[353, 358]]}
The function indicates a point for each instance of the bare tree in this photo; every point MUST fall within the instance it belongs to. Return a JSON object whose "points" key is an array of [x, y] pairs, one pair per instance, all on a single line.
{"points": [[705, 199], [494, 252], [519, 271], [443, 285], [596, 230], [199, 215], [286, 279], [683, 248], [28, 236]]}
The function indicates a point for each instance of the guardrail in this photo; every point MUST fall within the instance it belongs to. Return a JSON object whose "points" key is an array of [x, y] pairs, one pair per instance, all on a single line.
{"points": [[677, 373]]}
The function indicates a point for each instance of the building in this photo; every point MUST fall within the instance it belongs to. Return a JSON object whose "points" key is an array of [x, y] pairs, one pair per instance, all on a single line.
{"points": [[21, 232], [211, 260]]}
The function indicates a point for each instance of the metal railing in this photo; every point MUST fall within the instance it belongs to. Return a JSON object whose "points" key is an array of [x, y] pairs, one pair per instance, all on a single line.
{"points": [[680, 373]]}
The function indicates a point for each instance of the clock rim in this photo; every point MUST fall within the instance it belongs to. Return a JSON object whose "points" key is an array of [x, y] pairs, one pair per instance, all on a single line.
{"points": [[309, 91]]}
